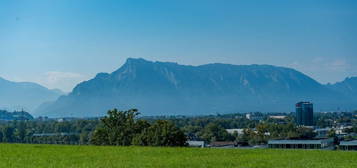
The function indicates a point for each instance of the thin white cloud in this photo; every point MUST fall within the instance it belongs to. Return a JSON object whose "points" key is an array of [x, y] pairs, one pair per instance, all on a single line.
{"points": [[53, 77], [323, 69], [61, 80], [64, 81], [338, 65]]}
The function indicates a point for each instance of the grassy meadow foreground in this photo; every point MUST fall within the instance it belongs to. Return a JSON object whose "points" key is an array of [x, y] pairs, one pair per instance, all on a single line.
{"points": [[20, 155]]}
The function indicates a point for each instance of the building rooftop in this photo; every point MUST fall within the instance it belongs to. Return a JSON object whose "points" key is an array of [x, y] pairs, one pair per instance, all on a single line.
{"points": [[277, 117], [222, 143], [239, 131], [349, 143], [323, 129], [314, 141]]}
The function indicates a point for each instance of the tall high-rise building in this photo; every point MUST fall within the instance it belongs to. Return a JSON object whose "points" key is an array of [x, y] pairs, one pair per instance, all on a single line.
{"points": [[305, 113]]}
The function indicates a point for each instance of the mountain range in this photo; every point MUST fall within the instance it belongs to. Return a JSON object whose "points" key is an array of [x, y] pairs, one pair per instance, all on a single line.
{"points": [[165, 88], [24, 95]]}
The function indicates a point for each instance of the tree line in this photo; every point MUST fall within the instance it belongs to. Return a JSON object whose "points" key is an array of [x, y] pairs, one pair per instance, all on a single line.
{"points": [[126, 128], [121, 128]]}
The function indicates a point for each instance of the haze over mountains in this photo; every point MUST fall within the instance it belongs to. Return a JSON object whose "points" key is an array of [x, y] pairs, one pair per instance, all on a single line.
{"points": [[164, 88], [24, 95]]}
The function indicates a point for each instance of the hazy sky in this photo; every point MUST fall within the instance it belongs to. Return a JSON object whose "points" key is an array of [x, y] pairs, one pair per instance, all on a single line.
{"points": [[59, 43]]}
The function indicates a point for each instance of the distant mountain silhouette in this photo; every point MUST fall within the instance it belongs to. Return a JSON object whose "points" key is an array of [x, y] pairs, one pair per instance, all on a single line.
{"points": [[24, 95], [347, 87], [164, 88]]}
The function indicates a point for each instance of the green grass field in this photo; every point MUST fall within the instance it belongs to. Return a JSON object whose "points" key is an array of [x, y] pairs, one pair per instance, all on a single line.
{"points": [[18, 155]]}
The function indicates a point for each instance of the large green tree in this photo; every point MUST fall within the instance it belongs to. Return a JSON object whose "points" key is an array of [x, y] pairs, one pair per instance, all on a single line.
{"points": [[118, 128], [122, 128], [161, 133]]}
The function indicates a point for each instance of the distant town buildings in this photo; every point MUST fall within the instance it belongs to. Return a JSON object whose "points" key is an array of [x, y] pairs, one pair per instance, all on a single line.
{"points": [[322, 132], [237, 131], [200, 144], [302, 144], [305, 114], [278, 117], [223, 144], [348, 145], [254, 116]]}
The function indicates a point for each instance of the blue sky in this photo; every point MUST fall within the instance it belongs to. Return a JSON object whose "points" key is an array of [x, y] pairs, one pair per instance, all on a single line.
{"points": [[59, 43]]}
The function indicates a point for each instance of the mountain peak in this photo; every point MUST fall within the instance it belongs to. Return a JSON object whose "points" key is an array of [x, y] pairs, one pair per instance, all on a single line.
{"points": [[136, 61], [140, 61], [352, 78]]}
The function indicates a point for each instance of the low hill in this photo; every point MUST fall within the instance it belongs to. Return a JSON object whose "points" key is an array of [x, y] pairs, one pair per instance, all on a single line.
{"points": [[17, 115], [164, 88]]}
